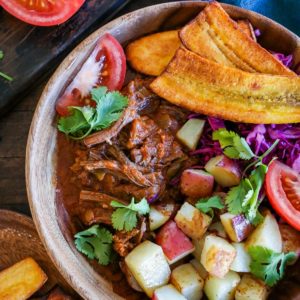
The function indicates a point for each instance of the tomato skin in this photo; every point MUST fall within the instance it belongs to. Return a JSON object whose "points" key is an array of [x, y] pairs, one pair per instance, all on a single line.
{"points": [[48, 14], [106, 66], [283, 191]]}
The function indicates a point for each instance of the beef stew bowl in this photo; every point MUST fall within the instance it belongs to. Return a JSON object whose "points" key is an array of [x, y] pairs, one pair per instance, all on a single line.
{"points": [[54, 194]]}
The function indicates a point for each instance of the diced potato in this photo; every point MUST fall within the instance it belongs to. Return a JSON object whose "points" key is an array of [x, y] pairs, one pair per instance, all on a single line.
{"points": [[196, 183], [199, 244], [217, 229], [266, 234], [217, 256], [290, 238], [221, 288], [159, 215], [174, 242], [225, 170], [242, 260], [191, 221], [251, 288], [149, 266], [129, 277], [199, 268], [236, 226], [167, 292], [187, 281], [189, 134], [152, 53], [21, 280]]}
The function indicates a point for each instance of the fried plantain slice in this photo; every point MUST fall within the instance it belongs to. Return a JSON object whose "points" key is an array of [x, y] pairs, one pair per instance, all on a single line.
{"points": [[215, 36], [151, 54], [203, 86]]}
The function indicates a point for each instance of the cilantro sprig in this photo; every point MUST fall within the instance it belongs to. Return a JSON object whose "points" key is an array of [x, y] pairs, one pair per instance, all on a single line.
{"points": [[95, 243], [86, 119], [125, 216], [206, 205], [5, 76], [245, 198], [269, 265]]}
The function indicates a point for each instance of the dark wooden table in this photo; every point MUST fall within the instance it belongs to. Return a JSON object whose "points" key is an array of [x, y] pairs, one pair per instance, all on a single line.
{"points": [[14, 127]]}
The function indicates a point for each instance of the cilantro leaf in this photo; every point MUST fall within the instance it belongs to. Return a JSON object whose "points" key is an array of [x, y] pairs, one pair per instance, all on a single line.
{"points": [[125, 216], [1, 54], [206, 205], [245, 198], [86, 119], [269, 265], [232, 144], [95, 243]]}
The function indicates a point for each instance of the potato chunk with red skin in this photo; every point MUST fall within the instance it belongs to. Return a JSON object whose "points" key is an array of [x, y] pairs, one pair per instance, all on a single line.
{"points": [[196, 183], [192, 221], [174, 242], [217, 256], [225, 170]]}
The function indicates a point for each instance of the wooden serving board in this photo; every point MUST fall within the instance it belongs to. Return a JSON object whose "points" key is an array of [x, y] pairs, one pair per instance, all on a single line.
{"points": [[31, 52]]}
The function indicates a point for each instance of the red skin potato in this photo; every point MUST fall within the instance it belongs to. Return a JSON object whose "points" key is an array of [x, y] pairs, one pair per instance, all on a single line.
{"points": [[196, 183], [174, 242]]}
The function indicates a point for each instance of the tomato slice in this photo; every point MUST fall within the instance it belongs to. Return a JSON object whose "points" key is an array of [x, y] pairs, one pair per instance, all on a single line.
{"points": [[42, 12], [106, 66], [283, 191]]}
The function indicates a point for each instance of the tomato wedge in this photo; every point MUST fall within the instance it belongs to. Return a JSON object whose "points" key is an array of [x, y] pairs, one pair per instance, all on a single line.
{"points": [[106, 66], [283, 191], [42, 12]]}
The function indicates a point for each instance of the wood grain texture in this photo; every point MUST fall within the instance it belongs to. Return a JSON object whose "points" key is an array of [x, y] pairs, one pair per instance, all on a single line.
{"points": [[19, 240], [32, 52], [40, 156]]}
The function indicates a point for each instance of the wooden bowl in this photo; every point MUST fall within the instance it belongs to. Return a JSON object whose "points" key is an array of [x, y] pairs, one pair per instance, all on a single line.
{"points": [[18, 240], [41, 147]]}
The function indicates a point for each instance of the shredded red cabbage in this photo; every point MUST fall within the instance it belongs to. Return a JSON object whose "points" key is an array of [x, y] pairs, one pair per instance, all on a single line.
{"points": [[257, 32], [261, 137], [287, 60]]}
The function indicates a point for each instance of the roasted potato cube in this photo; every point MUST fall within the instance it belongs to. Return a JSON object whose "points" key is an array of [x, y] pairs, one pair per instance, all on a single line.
{"points": [[221, 288], [159, 215], [187, 281], [242, 260], [225, 170], [189, 134], [21, 280], [196, 183], [175, 244], [149, 266], [199, 268], [217, 256], [191, 221], [236, 226], [167, 292], [266, 234], [290, 238], [251, 288], [151, 54], [199, 244]]}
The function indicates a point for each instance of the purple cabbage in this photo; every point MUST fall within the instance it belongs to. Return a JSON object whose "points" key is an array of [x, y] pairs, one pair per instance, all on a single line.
{"points": [[261, 137], [287, 60], [257, 32]]}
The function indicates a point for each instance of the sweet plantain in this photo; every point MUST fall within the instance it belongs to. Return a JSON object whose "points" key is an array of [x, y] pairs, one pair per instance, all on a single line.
{"points": [[203, 86]]}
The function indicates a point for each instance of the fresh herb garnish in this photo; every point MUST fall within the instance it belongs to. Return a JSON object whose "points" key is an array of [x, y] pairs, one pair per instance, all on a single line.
{"points": [[232, 144], [125, 216], [206, 205], [95, 243], [269, 265], [5, 76], [245, 198], [84, 120]]}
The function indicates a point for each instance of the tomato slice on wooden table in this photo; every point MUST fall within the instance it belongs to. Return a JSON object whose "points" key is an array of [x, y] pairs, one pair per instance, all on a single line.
{"points": [[106, 66], [42, 12], [283, 191]]}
